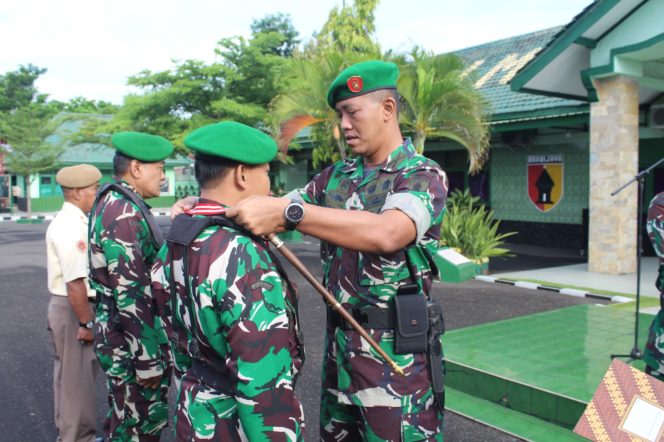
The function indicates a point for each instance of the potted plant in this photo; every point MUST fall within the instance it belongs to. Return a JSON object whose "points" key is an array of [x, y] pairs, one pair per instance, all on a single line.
{"points": [[470, 228]]}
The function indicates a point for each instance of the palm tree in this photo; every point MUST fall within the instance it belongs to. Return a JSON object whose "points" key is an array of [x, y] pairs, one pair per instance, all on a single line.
{"points": [[438, 100], [304, 103]]}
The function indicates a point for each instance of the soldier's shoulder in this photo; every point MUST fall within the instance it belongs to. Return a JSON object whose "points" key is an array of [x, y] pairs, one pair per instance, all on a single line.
{"points": [[420, 161], [658, 200], [231, 240], [119, 203]]}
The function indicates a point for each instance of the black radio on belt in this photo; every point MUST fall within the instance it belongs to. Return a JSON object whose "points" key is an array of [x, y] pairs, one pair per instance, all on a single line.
{"points": [[411, 320]]}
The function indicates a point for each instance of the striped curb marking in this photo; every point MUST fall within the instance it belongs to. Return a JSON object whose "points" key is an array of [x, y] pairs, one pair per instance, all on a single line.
{"points": [[563, 291]]}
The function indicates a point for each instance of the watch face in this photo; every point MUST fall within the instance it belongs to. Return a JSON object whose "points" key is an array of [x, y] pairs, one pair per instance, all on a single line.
{"points": [[295, 213]]}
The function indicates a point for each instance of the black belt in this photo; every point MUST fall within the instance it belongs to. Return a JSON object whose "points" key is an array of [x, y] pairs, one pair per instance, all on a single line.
{"points": [[367, 317], [210, 376]]}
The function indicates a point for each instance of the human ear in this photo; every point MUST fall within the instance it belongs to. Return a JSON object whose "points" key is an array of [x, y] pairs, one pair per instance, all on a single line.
{"points": [[240, 176], [135, 168], [389, 107]]}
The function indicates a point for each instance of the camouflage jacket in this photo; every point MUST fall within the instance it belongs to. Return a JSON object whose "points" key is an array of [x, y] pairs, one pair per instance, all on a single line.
{"points": [[655, 227], [122, 251], [418, 187], [241, 317]]}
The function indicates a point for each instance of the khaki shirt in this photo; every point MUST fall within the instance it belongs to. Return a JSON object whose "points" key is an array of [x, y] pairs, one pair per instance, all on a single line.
{"points": [[67, 249]]}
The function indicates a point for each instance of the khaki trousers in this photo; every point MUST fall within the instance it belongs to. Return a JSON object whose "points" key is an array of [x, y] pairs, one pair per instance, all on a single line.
{"points": [[74, 370]]}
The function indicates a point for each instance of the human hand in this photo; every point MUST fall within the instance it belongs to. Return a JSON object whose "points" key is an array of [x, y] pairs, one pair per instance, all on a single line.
{"points": [[151, 383], [261, 215], [84, 336], [184, 204]]}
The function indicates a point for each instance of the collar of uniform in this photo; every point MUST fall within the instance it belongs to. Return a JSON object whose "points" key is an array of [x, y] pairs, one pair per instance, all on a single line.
{"points": [[391, 164], [74, 210], [126, 184], [395, 159], [133, 189], [207, 207]]}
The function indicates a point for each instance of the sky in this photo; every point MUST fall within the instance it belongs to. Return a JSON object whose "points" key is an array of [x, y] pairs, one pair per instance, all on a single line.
{"points": [[91, 47]]}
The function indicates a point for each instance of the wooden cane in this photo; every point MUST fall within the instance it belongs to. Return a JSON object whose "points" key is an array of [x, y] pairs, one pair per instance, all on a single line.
{"points": [[329, 298]]}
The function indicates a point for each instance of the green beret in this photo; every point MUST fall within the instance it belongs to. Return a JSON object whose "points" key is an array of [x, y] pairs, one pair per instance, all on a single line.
{"points": [[78, 177], [142, 147], [362, 78], [233, 141]]}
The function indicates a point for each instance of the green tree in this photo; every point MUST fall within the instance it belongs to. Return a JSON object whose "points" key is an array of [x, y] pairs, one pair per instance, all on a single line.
{"points": [[82, 105], [346, 38], [238, 86], [17, 88], [280, 26], [438, 100], [26, 131], [350, 29]]}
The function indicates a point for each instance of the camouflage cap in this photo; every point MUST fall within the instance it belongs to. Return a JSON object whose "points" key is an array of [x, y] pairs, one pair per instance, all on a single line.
{"points": [[142, 147], [78, 177], [233, 141], [362, 78]]}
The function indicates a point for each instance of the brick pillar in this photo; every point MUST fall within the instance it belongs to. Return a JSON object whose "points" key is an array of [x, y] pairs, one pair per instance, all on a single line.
{"points": [[614, 160]]}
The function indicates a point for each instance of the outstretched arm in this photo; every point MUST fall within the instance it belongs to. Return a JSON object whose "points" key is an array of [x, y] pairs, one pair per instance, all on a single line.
{"points": [[352, 229]]}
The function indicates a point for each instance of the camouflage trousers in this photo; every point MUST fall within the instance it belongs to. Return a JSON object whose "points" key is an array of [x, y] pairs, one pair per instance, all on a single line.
{"points": [[653, 354], [417, 419], [205, 414], [348, 423], [135, 413]]}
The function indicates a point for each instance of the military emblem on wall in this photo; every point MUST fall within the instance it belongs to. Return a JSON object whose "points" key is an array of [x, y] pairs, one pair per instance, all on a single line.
{"points": [[545, 181]]}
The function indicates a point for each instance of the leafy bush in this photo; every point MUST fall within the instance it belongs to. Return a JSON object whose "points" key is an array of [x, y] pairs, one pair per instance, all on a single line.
{"points": [[471, 228]]}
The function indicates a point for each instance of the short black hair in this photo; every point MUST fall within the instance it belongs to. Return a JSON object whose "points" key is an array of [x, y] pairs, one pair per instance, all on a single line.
{"points": [[210, 169], [121, 164], [384, 93]]}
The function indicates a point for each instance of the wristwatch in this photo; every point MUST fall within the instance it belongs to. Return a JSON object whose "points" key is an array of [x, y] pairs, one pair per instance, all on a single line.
{"points": [[293, 214], [89, 324]]}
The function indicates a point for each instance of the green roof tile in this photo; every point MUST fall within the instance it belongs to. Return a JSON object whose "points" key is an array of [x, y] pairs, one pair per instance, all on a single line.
{"points": [[492, 65]]}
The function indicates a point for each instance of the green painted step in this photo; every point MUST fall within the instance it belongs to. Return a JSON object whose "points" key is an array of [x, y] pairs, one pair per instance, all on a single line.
{"points": [[547, 365], [506, 420]]}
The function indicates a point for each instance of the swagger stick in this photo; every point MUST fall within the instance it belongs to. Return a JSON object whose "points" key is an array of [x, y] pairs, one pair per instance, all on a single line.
{"points": [[327, 296]]}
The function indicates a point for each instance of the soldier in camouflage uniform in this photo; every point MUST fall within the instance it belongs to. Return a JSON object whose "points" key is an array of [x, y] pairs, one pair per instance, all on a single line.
{"points": [[130, 340], [378, 215], [235, 333], [654, 351]]}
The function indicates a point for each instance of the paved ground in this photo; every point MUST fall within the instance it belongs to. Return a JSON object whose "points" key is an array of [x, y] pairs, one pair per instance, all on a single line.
{"points": [[26, 351]]}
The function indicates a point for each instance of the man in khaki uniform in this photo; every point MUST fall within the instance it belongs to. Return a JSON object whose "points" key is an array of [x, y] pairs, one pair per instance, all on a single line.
{"points": [[70, 311]]}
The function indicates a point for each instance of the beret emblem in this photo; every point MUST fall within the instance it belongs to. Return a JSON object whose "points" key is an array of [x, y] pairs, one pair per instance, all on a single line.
{"points": [[355, 83]]}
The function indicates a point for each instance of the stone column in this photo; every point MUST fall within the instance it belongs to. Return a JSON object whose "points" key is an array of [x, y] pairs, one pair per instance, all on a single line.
{"points": [[614, 160]]}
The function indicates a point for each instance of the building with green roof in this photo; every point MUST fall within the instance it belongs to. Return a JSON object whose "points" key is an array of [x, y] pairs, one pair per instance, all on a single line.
{"points": [[46, 194], [560, 134], [576, 111]]}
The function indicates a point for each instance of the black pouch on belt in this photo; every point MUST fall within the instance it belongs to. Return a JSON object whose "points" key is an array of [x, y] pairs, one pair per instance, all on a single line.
{"points": [[411, 320]]}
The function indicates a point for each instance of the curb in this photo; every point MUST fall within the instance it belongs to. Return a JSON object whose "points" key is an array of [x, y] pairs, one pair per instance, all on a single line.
{"points": [[563, 291], [50, 216]]}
